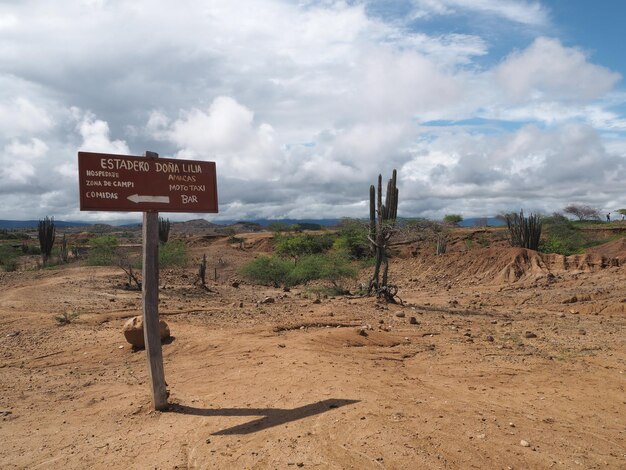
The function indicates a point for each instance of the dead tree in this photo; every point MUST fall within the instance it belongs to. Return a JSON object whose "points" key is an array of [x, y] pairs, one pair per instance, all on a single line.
{"points": [[132, 277], [125, 262], [382, 227]]}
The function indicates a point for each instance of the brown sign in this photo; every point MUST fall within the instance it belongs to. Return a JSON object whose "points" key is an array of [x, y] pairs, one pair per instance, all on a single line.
{"points": [[143, 184]]}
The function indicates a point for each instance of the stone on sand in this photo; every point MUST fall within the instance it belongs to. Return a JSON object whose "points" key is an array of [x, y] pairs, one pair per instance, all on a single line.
{"points": [[133, 331]]}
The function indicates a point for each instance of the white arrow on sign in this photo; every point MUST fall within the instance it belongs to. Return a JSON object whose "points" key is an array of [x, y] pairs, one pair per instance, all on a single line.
{"points": [[157, 199]]}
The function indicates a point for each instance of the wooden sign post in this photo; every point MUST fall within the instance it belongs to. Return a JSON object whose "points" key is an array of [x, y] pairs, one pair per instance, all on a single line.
{"points": [[150, 300], [148, 184]]}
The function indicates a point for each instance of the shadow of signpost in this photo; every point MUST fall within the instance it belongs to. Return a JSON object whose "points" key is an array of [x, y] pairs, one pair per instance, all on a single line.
{"points": [[270, 416]]}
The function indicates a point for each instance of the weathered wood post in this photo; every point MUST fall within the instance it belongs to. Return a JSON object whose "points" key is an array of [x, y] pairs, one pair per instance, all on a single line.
{"points": [[148, 184], [150, 297]]}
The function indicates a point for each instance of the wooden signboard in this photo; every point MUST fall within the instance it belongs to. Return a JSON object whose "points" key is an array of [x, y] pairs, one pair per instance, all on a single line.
{"points": [[147, 184], [129, 183]]}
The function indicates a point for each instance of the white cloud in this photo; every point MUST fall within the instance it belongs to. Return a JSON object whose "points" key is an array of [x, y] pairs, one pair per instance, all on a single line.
{"points": [[551, 113], [8, 21], [518, 11], [225, 126], [226, 133], [302, 104], [531, 166], [95, 135], [548, 70], [19, 116], [397, 85], [531, 13], [447, 49], [18, 160]]}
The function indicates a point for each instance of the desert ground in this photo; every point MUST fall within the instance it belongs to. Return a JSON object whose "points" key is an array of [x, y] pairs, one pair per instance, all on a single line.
{"points": [[498, 358]]}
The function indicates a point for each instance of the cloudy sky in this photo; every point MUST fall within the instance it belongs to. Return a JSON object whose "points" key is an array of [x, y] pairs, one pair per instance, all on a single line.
{"points": [[483, 106]]}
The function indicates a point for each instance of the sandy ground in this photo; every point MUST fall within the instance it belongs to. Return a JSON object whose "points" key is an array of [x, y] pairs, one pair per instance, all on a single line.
{"points": [[498, 359]]}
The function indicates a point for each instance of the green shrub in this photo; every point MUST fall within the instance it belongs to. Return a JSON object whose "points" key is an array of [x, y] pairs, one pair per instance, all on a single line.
{"points": [[30, 249], [6, 252], [8, 258], [278, 227], [330, 266], [103, 251], [234, 239], [270, 271], [302, 245], [276, 271], [559, 246], [562, 237], [9, 235], [483, 241], [10, 265], [173, 253], [353, 239], [309, 226], [453, 219], [66, 318]]}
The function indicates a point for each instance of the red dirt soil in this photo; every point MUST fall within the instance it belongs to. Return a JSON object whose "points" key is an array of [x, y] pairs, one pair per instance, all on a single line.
{"points": [[514, 360]]}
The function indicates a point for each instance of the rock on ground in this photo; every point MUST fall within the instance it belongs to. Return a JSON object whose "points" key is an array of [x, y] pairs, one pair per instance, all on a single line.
{"points": [[133, 331]]}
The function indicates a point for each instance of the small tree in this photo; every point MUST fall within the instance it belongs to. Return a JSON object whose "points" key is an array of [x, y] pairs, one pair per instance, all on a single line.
{"points": [[428, 233], [622, 212], [46, 231], [164, 230], [583, 212], [452, 219], [524, 232]]}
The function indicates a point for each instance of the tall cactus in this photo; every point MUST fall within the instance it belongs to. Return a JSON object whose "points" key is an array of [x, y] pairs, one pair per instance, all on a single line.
{"points": [[382, 225], [524, 232], [64, 255], [46, 231], [372, 214], [164, 230]]}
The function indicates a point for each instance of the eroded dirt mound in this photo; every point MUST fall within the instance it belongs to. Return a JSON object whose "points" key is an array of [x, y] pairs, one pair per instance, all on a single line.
{"points": [[612, 249], [488, 265], [590, 262], [262, 245], [504, 265]]}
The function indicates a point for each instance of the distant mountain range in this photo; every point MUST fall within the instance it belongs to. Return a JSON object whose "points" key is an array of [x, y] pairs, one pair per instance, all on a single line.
{"points": [[483, 222], [20, 224], [266, 222], [32, 224]]}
